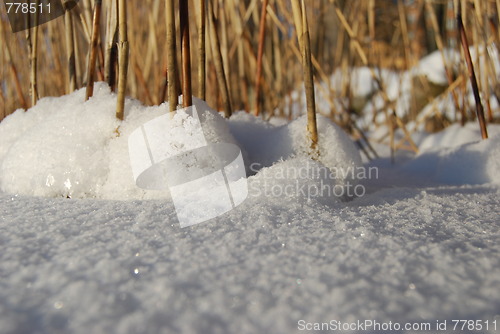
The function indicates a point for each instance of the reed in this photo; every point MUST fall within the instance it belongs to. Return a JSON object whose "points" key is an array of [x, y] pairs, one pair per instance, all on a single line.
{"points": [[111, 57], [218, 61], [302, 28], [70, 48], [260, 53], [171, 54], [13, 71], [201, 22], [472, 74], [247, 57], [186, 54], [123, 57], [93, 49]]}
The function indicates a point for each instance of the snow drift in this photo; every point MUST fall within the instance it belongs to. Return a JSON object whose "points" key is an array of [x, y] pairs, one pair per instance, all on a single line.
{"points": [[65, 147]]}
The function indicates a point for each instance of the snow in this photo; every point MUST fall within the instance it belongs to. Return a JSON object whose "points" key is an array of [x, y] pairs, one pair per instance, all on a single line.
{"points": [[419, 244], [365, 98], [79, 150], [267, 144], [433, 68], [472, 163], [403, 254], [456, 135]]}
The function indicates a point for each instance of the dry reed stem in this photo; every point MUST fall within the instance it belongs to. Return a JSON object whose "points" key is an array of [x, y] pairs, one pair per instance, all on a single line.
{"points": [[472, 74], [34, 62], [111, 57], [186, 54], [171, 56], [142, 82], [13, 70], [440, 45], [123, 58], [302, 27], [70, 48], [218, 62], [32, 43], [390, 117], [201, 49], [93, 49], [260, 52]]}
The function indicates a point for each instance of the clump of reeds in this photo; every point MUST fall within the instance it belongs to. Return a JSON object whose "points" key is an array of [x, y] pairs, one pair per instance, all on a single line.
{"points": [[248, 59]]}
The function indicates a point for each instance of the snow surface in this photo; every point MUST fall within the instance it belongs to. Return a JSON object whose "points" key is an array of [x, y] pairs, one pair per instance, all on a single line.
{"points": [[421, 245]]}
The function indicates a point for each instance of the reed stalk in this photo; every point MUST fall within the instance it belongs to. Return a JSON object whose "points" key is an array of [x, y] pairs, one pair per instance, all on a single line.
{"points": [[32, 43], [34, 64], [302, 28], [93, 49], [111, 57], [187, 100], [260, 52], [13, 70], [201, 49], [440, 45], [123, 58], [218, 62], [171, 56], [472, 74], [70, 48]]}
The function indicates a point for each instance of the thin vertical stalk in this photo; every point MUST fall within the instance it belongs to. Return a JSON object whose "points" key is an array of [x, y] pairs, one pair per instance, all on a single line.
{"points": [[13, 69], [93, 49], [201, 50], [497, 2], [440, 45], [2, 104], [404, 32], [321, 33], [218, 62], [309, 82], [371, 19], [34, 62], [302, 27], [123, 56], [70, 48], [222, 36], [111, 57], [472, 74], [171, 54], [32, 41], [186, 54], [260, 53]]}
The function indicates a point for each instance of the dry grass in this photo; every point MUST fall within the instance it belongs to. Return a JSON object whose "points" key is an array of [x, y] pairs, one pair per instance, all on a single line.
{"points": [[343, 34]]}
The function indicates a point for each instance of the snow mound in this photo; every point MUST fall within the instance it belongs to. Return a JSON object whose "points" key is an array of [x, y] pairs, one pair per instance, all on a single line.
{"points": [[178, 135], [59, 147], [472, 163], [298, 180], [68, 147], [456, 135], [267, 144]]}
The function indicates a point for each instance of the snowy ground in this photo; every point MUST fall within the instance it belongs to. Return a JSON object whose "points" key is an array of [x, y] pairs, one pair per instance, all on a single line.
{"points": [[420, 246]]}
